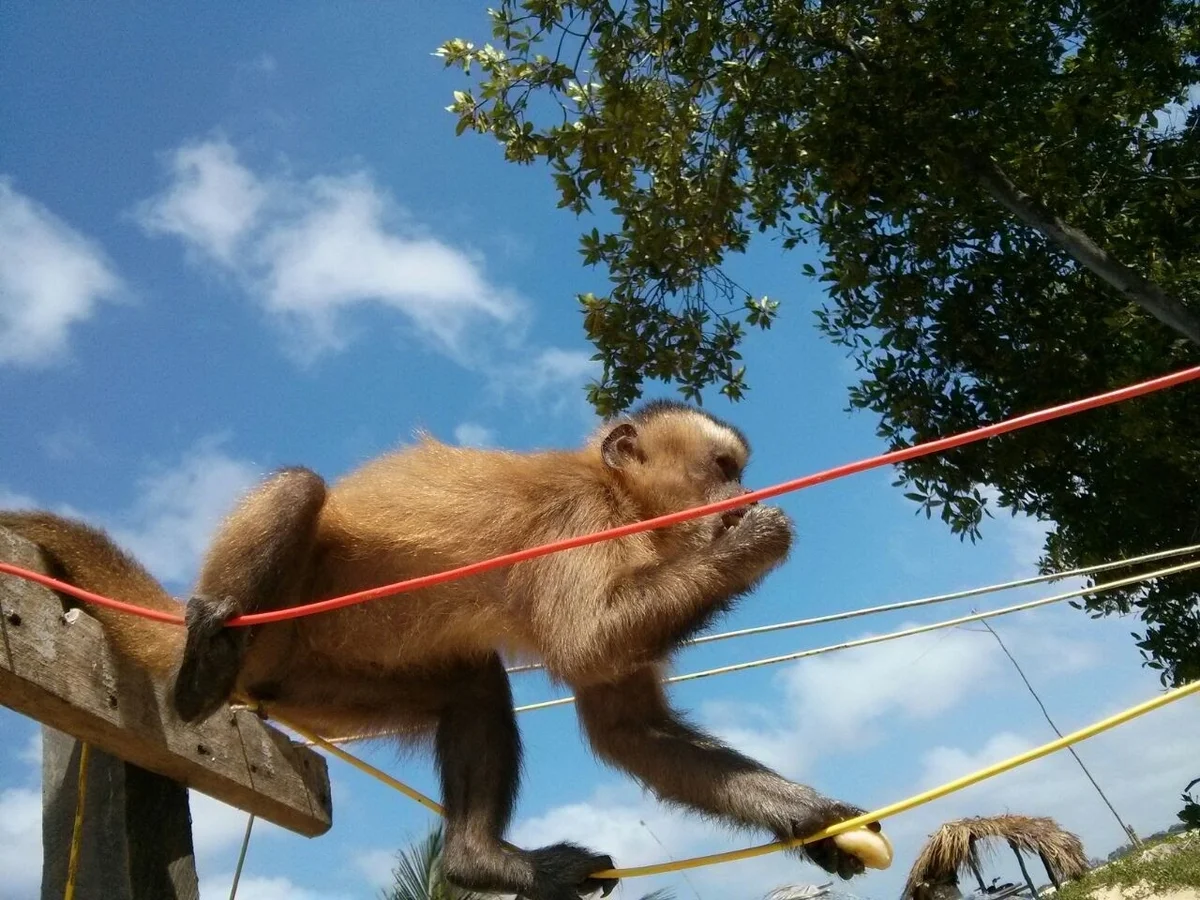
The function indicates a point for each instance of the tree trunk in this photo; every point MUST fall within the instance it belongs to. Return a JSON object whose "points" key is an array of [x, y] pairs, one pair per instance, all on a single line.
{"points": [[1148, 295]]}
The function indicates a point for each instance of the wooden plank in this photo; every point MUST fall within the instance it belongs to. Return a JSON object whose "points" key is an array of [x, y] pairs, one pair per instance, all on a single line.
{"points": [[59, 670], [136, 842]]}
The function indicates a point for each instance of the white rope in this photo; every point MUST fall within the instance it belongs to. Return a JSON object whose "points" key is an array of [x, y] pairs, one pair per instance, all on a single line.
{"points": [[924, 601], [895, 635]]}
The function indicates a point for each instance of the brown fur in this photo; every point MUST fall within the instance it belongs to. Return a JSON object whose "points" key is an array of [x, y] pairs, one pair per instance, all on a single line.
{"points": [[601, 617], [87, 558]]}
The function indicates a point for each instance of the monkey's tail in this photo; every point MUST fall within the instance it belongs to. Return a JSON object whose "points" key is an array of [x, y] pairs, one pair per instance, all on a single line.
{"points": [[88, 558]]}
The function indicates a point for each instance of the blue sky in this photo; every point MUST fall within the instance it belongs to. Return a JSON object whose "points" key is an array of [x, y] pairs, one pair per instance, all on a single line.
{"points": [[248, 237]]}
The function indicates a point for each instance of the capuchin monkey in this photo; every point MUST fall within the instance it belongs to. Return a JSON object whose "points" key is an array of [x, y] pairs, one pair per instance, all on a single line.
{"points": [[426, 665]]}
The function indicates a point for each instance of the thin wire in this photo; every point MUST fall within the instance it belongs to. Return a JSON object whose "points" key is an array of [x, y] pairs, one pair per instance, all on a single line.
{"points": [[895, 635], [237, 872], [896, 456], [1054, 727], [859, 642], [924, 601], [85, 752], [878, 815]]}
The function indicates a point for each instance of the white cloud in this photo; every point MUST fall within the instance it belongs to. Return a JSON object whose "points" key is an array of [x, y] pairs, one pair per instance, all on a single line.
{"points": [[266, 64], [257, 887], [312, 251], [470, 434], [1024, 537], [339, 252], [20, 843], [848, 696], [178, 507], [633, 830], [51, 278], [555, 367], [68, 442], [552, 376], [376, 866], [31, 754], [11, 500], [212, 203]]}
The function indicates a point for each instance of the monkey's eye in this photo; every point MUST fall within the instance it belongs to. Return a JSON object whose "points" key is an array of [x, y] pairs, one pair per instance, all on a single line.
{"points": [[729, 467]]}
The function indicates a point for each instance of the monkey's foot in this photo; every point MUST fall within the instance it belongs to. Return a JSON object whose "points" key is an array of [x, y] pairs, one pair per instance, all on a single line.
{"points": [[564, 872], [212, 658], [826, 853]]}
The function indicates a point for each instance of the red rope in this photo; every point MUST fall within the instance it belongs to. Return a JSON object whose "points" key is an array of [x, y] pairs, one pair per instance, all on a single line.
{"points": [[895, 456], [81, 594]]}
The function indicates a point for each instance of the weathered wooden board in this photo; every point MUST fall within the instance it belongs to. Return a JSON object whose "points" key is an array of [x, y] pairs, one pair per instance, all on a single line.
{"points": [[136, 839], [59, 670]]}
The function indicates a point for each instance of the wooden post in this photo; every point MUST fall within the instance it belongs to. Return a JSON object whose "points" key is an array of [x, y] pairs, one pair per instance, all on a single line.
{"points": [[136, 842], [1050, 873], [973, 860], [1021, 862], [57, 668]]}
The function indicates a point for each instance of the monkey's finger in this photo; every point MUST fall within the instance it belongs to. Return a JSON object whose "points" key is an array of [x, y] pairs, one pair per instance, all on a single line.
{"points": [[823, 853], [849, 866], [604, 885]]}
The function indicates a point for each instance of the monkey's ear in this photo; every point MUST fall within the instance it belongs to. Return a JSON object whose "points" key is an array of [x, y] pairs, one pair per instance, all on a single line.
{"points": [[620, 446]]}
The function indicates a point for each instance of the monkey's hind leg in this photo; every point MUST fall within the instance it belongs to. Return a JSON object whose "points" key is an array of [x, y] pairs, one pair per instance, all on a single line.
{"points": [[479, 758], [260, 559]]}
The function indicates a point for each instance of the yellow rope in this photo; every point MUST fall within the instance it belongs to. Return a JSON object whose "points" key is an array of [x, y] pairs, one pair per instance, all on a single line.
{"points": [[916, 800], [85, 751], [361, 765], [924, 601], [885, 812]]}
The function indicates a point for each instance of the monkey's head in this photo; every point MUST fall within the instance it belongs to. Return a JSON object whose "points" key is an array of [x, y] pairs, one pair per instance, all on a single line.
{"points": [[670, 456]]}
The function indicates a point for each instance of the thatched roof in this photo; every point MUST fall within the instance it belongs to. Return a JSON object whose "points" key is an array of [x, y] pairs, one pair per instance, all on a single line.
{"points": [[950, 849]]}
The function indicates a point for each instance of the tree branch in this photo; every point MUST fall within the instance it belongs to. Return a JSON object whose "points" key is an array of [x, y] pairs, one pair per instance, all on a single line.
{"points": [[1142, 291]]}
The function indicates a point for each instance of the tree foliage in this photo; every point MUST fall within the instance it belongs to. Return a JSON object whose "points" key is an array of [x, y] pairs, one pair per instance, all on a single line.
{"points": [[417, 874], [952, 161], [1190, 814]]}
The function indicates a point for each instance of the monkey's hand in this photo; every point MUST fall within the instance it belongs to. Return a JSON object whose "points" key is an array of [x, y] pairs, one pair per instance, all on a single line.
{"points": [[212, 658], [756, 541], [825, 852]]}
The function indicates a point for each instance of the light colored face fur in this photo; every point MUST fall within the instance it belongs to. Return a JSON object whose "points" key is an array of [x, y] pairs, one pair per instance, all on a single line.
{"points": [[674, 457]]}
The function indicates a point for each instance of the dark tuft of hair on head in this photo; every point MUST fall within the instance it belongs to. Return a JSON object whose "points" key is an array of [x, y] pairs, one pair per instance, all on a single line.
{"points": [[651, 408]]}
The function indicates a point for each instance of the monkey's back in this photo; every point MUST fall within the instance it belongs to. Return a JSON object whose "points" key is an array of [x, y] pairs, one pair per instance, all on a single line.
{"points": [[430, 508]]}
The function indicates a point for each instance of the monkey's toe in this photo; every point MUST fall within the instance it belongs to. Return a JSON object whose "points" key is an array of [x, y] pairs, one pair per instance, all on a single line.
{"points": [[212, 658], [564, 872], [826, 853]]}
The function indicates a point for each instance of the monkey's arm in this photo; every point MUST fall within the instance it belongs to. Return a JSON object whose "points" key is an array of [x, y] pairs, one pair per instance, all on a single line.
{"points": [[597, 615], [631, 725]]}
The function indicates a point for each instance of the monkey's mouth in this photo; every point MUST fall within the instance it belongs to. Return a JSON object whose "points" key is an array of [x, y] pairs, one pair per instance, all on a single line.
{"points": [[731, 518]]}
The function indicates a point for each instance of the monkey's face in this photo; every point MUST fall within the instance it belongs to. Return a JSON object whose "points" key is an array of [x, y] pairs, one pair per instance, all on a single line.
{"points": [[671, 457]]}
